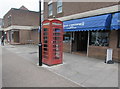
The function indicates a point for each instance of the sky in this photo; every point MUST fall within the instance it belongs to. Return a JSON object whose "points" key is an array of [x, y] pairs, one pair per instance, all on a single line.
{"points": [[6, 5]]}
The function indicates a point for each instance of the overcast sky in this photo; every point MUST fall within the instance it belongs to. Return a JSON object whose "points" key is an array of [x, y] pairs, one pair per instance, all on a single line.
{"points": [[6, 5]]}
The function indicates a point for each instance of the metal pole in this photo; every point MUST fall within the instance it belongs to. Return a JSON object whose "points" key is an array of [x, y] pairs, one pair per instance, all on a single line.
{"points": [[40, 43], [88, 43]]}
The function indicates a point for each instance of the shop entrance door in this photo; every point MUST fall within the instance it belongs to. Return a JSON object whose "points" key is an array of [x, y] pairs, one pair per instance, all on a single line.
{"points": [[16, 36], [82, 39]]}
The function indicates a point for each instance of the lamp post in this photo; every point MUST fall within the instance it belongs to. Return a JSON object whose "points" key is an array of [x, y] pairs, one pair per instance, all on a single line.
{"points": [[40, 43]]}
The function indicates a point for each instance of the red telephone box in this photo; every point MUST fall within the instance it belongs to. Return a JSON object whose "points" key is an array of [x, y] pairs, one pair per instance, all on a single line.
{"points": [[52, 42]]}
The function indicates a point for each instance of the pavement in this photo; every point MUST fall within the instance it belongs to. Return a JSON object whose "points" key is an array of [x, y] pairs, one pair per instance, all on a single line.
{"points": [[0, 67], [20, 64], [19, 72]]}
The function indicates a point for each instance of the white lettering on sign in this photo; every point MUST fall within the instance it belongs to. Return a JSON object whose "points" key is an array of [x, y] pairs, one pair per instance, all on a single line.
{"points": [[46, 24], [56, 24], [118, 21], [76, 24]]}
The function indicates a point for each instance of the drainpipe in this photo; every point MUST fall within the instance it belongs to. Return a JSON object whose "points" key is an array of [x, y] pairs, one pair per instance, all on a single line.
{"points": [[71, 43], [88, 43]]}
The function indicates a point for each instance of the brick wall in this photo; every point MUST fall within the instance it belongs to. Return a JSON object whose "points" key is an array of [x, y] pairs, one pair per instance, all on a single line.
{"points": [[93, 52], [5, 18], [66, 47], [22, 18], [28, 36], [24, 36], [35, 36], [113, 43], [70, 8]]}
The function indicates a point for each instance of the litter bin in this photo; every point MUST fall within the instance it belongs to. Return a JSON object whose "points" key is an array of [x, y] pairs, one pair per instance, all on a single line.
{"points": [[109, 56]]}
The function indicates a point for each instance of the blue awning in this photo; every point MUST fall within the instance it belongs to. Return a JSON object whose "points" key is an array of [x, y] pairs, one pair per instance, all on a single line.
{"points": [[115, 24], [87, 24]]}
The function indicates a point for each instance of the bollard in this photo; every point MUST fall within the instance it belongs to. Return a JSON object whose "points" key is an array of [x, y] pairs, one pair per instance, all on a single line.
{"points": [[109, 56]]}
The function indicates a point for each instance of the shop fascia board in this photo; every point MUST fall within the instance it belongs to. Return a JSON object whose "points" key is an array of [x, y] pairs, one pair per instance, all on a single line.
{"points": [[101, 11], [20, 27]]}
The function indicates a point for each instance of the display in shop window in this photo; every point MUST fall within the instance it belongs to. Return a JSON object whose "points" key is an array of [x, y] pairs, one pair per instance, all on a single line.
{"points": [[99, 38]]}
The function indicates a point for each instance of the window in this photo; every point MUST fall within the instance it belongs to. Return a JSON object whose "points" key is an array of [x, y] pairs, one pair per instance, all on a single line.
{"points": [[9, 20], [66, 37], [118, 39], [59, 6], [50, 9], [99, 38]]}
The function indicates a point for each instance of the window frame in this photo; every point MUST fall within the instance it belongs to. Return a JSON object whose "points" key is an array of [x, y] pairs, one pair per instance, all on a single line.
{"points": [[50, 9], [59, 5], [9, 20], [68, 36]]}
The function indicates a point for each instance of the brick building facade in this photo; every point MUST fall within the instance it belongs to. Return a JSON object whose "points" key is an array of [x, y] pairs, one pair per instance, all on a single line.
{"points": [[84, 42], [1, 29], [21, 26]]}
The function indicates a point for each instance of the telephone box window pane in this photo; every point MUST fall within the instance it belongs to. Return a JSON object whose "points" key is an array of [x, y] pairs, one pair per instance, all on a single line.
{"points": [[45, 53], [45, 49], [45, 57], [45, 38], [45, 29], [45, 34], [45, 45], [57, 30], [56, 41], [56, 45], [45, 41], [56, 38], [56, 34]]}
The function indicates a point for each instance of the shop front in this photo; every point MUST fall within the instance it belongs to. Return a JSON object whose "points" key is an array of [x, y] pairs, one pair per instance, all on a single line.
{"points": [[115, 29], [13, 36], [92, 36], [82, 33]]}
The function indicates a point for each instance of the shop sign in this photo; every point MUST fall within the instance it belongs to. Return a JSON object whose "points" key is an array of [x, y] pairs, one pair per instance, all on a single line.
{"points": [[74, 26]]}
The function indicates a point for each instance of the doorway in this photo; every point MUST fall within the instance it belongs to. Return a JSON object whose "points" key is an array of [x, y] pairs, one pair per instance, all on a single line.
{"points": [[81, 40], [16, 36]]}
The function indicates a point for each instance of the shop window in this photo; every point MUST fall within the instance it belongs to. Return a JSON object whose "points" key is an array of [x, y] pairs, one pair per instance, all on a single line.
{"points": [[50, 9], [99, 38], [66, 37], [59, 6], [118, 39]]}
